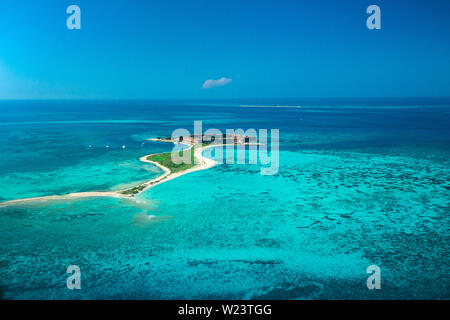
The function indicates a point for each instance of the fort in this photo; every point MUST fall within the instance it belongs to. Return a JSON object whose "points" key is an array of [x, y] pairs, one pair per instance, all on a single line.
{"points": [[213, 138]]}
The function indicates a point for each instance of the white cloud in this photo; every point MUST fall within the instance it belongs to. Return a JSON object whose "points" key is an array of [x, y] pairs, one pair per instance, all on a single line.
{"points": [[211, 83]]}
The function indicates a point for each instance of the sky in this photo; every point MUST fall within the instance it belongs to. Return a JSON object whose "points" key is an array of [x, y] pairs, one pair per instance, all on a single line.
{"points": [[163, 49]]}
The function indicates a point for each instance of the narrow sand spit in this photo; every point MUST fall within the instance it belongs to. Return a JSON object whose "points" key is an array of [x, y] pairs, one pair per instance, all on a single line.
{"points": [[203, 164]]}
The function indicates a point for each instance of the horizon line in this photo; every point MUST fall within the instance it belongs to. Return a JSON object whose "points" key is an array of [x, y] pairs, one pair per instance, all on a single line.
{"points": [[229, 99]]}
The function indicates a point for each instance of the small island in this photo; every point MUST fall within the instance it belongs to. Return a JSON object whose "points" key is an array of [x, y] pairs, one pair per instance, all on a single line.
{"points": [[195, 145]]}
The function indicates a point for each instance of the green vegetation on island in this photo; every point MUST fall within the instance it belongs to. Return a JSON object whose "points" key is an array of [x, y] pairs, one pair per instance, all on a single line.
{"points": [[134, 190], [165, 159]]}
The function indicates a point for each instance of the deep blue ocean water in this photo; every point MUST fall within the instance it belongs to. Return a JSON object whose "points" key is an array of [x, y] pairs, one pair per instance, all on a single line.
{"points": [[360, 183]]}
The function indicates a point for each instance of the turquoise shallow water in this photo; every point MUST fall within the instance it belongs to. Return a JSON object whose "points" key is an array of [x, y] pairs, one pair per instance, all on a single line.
{"points": [[352, 190]]}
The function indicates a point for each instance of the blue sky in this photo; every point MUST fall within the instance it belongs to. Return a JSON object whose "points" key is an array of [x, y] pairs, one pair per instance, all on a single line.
{"points": [[169, 48]]}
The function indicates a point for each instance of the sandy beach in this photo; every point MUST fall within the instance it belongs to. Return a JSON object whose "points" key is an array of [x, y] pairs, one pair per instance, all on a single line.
{"points": [[203, 164]]}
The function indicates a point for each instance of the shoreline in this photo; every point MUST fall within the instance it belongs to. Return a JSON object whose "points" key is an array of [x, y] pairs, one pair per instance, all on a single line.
{"points": [[204, 163]]}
